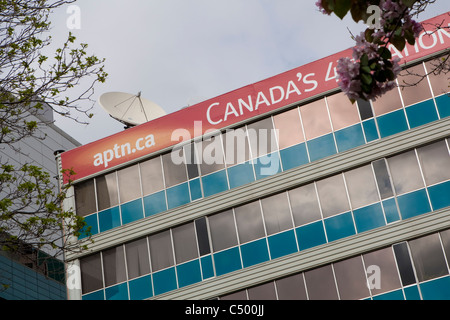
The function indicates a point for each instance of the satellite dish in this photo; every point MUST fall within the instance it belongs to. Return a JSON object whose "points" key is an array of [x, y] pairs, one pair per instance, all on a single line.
{"points": [[130, 109]]}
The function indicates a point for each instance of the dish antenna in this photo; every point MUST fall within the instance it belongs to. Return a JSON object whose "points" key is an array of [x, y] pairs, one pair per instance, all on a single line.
{"points": [[130, 109]]}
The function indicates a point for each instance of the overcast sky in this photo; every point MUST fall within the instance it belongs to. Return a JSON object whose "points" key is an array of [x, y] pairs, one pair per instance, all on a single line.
{"points": [[178, 52]]}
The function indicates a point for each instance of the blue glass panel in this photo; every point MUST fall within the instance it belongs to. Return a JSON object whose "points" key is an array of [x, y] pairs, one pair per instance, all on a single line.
{"points": [[413, 204], [178, 195], [214, 183], [155, 203], [311, 235], [370, 129], [390, 210], [339, 226], [349, 138], [412, 293], [421, 113], [97, 295], [189, 273], [394, 295], [227, 261], [254, 252], [267, 165], [117, 292], [294, 156], [164, 281], [438, 289], [132, 211], [109, 218], [443, 104], [141, 288], [207, 267], [440, 195], [282, 244], [321, 147], [91, 221], [369, 217], [196, 189], [392, 123], [240, 174]]}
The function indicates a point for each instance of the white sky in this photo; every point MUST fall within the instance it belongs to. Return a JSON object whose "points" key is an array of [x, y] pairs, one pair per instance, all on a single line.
{"points": [[178, 52]]}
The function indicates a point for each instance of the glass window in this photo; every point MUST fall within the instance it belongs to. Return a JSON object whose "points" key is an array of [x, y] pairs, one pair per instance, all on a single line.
{"points": [[161, 253], [201, 229], [351, 279], [184, 242], [85, 198], [151, 176], [304, 204], [289, 128], [343, 113], [365, 109], [223, 230], [91, 273], [445, 236], [262, 137], [107, 193], [291, 288], [332, 195], [264, 291], [405, 172], [439, 79], [240, 295], [138, 262], [383, 178], [316, 121], [320, 284], [236, 146], [435, 162], [174, 173], [114, 266], [361, 186], [129, 183], [404, 263], [428, 257], [388, 102], [277, 215], [190, 153], [249, 222], [210, 154], [414, 85]]}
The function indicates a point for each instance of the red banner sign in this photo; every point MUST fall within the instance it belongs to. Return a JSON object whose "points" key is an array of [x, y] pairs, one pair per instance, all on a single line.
{"points": [[286, 88]]}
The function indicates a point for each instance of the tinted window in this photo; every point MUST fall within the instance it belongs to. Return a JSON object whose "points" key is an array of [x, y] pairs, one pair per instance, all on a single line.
{"points": [[161, 250], [277, 215], [114, 266], [129, 183], [405, 172], [361, 186], [332, 195], [289, 128], [351, 279], [343, 113], [223, 230], [315, 119], [435, 162], [151, 176], [174, 173], [85, 198], [185, 244], [107, 193], [320, 284], [91, 273], [249, 222], [304, 204], [138, 262]]}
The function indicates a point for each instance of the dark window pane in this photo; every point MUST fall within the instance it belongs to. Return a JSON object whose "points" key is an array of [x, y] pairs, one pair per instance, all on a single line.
{"points": [[107, 193], [185, 243], [262, 137], [262, 292], [129, 183], [277, 215], [249, 222], [161, 253], [365, 109], [384, 260], [114, 266], [85, 198], [383, 178], [435, 162], [190, 153], [174, 173], [304, 204], [332, 195], [320, 284], [351, 279], [361, 186], [138, 261], [223, 230], [202, 236], [404, 263], [151, 176], [91, 273], [291, 288], [428, 257], [405, 172], [210, 153]]}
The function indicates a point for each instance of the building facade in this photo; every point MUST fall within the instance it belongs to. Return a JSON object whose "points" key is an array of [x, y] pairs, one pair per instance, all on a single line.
{"points": [[31, 274], [296, 193]]}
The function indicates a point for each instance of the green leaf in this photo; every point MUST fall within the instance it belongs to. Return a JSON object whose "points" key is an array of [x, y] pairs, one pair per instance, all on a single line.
{"points": [[408, 3], [366, 69], [364, 60], [366, 78], [399, 42], [342, 7], [385, 53]]}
